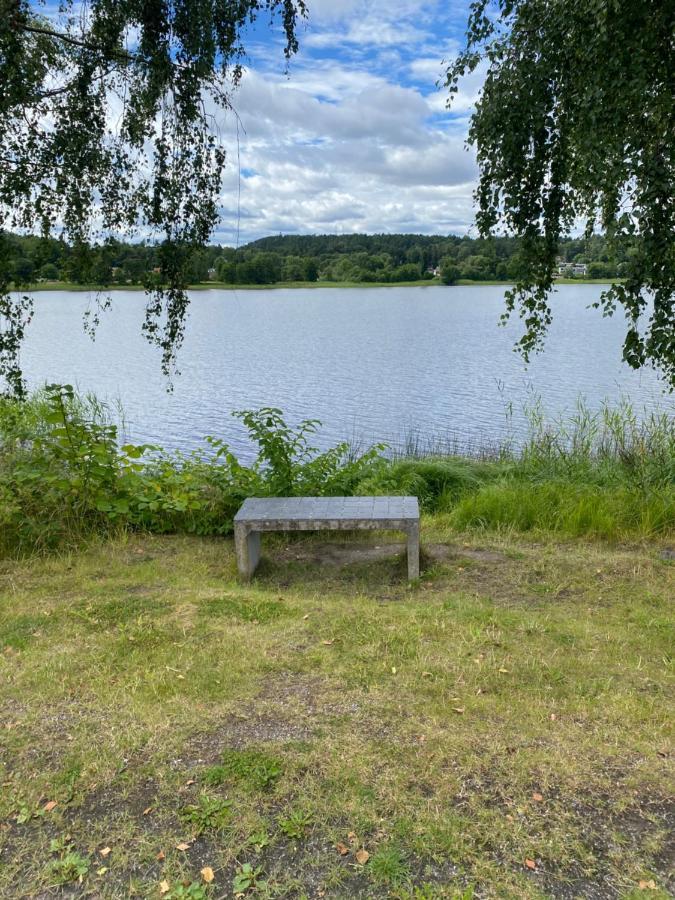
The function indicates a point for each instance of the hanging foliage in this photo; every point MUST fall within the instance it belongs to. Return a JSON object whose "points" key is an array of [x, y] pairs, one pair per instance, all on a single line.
{"points": [[108, 118], [576, 124]]}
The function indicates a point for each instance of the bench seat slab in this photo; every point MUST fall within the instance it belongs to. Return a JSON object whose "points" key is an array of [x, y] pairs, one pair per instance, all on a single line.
{"points": [[258, 514]]}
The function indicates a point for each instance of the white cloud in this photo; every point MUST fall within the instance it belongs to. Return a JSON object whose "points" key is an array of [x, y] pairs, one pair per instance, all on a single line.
{"points": [[348, 12], [357, 138]]}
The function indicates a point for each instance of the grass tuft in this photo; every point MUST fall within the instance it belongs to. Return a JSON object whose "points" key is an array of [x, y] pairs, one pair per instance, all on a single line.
{"points": [[247, 609], [388, 866], [249, 769]]}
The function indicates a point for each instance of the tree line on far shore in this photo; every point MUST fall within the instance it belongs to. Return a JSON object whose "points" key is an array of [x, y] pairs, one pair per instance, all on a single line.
{"points": [[360, 258]]}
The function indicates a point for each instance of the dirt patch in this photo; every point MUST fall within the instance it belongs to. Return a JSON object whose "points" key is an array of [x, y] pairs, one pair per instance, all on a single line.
{"points": [[573, 886], [304, 690], [453, 553], [305, 701], [334, 553], [117, 800], [343, 553], [636, 826], [237, 733], [304, 697]]}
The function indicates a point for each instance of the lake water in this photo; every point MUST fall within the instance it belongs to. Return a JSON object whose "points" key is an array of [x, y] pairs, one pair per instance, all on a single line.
{"points": [[373, 364]]}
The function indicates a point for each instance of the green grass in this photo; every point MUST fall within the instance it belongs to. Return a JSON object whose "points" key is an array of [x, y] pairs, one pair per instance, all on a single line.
{"points": [[251, 769], [513, 705], [568, 508]]}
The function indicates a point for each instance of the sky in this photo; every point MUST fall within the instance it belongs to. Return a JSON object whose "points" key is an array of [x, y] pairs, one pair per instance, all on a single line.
{"points": [[354, 135]]}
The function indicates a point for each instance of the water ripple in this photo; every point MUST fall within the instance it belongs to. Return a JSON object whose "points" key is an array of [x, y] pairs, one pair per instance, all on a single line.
{"points": [[371, 364]]}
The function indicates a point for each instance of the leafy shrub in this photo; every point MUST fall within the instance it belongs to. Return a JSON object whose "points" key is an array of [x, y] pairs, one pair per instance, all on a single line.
{"points": [[58, 470], [63, 475], [288, 466]]}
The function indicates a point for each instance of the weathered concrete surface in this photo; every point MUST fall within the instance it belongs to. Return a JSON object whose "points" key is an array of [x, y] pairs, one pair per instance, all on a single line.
{"points": [[258, 514]]}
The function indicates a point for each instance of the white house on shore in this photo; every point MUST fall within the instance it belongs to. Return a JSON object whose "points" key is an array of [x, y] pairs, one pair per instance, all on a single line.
{"points": [[571, 269]]}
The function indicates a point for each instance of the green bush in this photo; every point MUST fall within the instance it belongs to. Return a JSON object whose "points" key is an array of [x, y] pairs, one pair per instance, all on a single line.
{"points": [[58, 470], [64, 477]]}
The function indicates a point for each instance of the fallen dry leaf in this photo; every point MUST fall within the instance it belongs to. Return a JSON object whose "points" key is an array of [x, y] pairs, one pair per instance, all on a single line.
{"points": [[105, 851], [647, 885], [182, 846], [458, 709], [207, 874], [164, 887], [426, 674], [352, 837], [48, 807], [362, 857], [328, 643], [161, 856], [504, 671], [147, 811], [342, 849], [102, 870], [538, 797], [306, 616], [530, 863], [189, 782]]}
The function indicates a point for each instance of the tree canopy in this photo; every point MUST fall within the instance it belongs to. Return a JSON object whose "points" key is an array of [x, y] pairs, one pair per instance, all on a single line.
{"points": [[108, 117], [576, 124], [360, 258]]}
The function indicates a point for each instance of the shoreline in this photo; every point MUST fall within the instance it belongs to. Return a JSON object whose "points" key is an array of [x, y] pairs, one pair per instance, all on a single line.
{"points": [[290, 285]]}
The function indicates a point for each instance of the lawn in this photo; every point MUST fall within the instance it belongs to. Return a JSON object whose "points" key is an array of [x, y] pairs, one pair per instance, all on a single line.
{"points": [[500, 729]]}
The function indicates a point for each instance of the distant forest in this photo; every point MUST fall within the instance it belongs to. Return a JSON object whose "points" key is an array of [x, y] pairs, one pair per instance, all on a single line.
{"points": [[387, 258]]}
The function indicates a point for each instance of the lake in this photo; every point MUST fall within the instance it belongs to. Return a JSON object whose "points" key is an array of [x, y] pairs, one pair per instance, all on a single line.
{"points": [[372, 364]]}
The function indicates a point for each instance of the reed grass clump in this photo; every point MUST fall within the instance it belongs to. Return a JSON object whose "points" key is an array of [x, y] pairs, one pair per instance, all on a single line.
{"points": [[606, 474]]}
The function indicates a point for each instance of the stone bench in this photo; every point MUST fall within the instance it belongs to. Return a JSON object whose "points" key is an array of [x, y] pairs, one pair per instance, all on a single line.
{"points": [[258, 514]]}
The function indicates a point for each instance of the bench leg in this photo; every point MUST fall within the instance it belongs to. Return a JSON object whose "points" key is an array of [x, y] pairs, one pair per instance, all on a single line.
{"points": [[413, 552], [247, 549]]}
